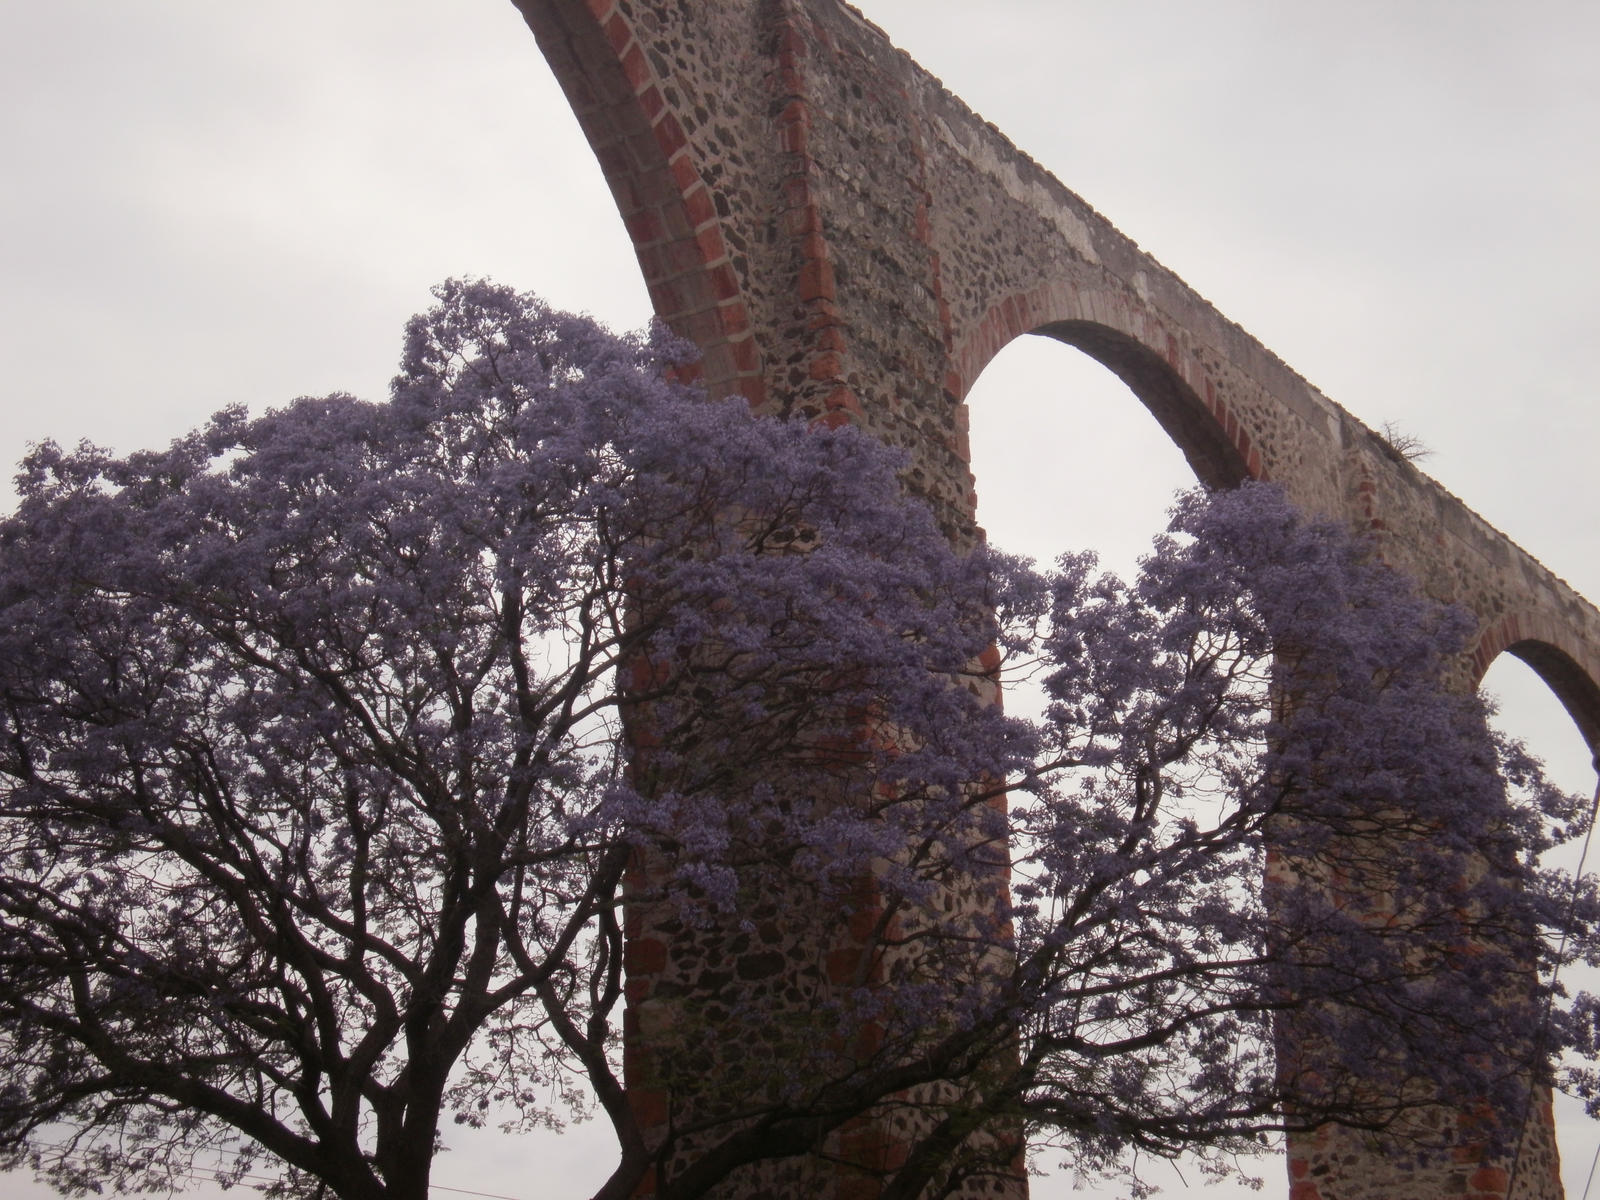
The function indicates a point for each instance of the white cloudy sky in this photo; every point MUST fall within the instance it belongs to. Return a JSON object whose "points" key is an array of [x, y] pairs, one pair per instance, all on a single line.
{"points": [[208, 203]]}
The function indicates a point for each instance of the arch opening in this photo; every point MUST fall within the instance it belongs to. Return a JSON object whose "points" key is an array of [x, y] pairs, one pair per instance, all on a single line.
{"points": [[1063, 461], [1569, 683], [1211, 454], [1547, 701]]}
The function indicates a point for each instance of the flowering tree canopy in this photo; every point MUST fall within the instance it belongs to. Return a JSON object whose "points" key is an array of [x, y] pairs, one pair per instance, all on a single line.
{"points": [[335, 744]]}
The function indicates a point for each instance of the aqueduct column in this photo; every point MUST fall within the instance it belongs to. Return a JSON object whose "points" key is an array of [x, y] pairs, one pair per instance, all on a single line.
{"points": [[845, 240]]}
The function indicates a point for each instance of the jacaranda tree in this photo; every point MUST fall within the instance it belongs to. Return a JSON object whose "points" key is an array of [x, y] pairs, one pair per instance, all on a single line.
{"points": [[339, 745]]}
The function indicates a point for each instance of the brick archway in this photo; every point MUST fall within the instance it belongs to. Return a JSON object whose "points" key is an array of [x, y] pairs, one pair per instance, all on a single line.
{"points": [[1552, 655], [620, 98], [1173, 386]]}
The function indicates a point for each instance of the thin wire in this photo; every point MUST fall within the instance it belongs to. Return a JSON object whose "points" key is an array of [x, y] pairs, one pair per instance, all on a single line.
{"points": [[1550, 996], [205, 1174], [1593, 1162]]}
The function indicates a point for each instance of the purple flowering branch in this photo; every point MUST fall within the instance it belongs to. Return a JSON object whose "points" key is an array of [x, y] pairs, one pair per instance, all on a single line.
{"points": [[355, 759]]}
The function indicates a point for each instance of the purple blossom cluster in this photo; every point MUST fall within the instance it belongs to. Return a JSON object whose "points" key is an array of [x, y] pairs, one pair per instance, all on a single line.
{"points": [[339, 745]]}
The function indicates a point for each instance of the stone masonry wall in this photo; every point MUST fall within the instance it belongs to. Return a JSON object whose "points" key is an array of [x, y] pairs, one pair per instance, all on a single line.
{"points": [[846, 241]]}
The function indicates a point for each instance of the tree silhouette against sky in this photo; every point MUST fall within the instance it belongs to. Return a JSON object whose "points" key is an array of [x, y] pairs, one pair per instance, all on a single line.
{"points": [[337, 743]]}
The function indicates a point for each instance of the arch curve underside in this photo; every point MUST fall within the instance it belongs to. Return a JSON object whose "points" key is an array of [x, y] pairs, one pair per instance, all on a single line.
{"points": [[1574, 687], [1214, 458]]}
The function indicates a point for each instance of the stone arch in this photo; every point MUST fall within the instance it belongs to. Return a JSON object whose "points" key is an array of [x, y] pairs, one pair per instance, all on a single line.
{"points": [[1148, 359], [1564, 667], [670, 213], [846, 240]]}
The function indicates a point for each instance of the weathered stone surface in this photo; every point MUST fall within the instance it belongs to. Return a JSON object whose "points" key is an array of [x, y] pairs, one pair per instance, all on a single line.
{"points": [[844, 239]]}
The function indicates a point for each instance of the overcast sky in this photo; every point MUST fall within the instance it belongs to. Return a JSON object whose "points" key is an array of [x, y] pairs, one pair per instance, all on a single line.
{"points": [[210, 203]]}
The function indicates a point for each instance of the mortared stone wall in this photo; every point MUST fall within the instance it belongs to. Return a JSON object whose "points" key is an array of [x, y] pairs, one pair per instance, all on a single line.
{"points": [[845, 240]]}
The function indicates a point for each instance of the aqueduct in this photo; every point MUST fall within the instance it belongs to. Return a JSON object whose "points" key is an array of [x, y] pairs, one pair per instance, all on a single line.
{"points": [[845, 240]]}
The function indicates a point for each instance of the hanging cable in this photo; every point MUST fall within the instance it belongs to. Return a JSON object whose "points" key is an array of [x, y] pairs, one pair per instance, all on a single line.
{"points": [[1593, 1162], [1550, 996], [202, 1174]]}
